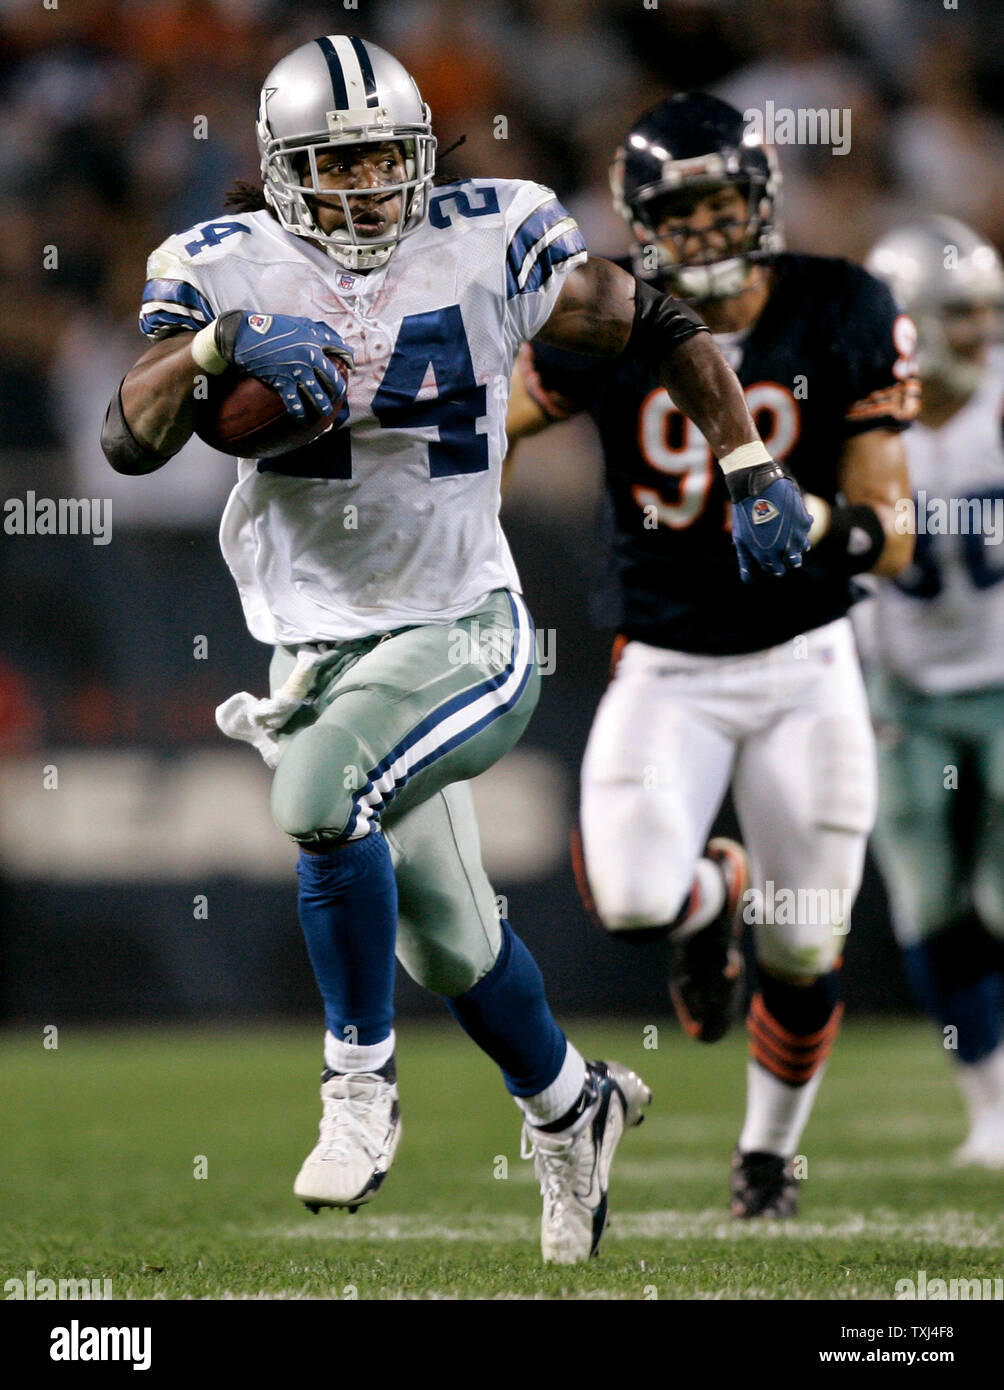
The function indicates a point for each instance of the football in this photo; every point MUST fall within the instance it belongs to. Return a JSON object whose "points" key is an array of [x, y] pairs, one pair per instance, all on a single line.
{"points": [[244, 417]]}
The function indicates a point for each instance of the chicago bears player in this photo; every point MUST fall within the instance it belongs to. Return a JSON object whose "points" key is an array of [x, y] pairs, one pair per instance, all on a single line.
{"points": [[712, 685], [937, 685], [373, 562]]}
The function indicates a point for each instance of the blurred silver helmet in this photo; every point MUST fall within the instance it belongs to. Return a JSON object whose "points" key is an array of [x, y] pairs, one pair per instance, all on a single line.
{"points": [[334, 92], [941, 273]]}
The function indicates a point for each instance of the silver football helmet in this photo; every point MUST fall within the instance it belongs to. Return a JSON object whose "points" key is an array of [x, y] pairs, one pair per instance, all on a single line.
{"points": [[340, 91], [950, 281]]}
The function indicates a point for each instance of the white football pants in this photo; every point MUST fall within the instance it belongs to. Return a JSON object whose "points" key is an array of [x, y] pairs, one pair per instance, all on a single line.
{"points": [[789, 728]]}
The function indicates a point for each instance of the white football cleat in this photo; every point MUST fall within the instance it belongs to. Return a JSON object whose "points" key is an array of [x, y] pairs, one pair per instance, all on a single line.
{"points": [[574, 1171], [360, 1132], [982, 1086], [984, 1145]]}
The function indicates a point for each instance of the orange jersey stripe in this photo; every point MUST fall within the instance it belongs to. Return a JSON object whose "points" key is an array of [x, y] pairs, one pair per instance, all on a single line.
{"points": [[901, 401]]}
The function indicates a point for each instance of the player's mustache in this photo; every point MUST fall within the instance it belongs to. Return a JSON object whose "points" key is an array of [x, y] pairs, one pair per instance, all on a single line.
{"points": [[367, 201]]}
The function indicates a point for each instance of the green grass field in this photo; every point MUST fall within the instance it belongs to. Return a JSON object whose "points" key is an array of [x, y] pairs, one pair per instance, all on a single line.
{"points": [[102, 1139]]}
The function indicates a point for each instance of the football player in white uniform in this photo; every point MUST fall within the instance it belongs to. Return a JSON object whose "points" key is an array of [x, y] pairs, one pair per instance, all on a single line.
{"points": [[373, 562], [710, 688], [938, 687]]}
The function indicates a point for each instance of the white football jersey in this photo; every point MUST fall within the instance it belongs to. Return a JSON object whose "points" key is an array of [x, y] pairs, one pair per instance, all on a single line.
{"points": [[391, 518], [940, 626]]}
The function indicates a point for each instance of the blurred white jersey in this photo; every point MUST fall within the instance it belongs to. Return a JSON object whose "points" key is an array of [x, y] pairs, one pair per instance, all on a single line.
{"points": [[940, 626], [391, 518]]}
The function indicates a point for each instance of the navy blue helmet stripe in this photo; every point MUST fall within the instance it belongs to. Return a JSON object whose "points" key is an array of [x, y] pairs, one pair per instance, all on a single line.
{"points": [[337, 77], [366, 67]]}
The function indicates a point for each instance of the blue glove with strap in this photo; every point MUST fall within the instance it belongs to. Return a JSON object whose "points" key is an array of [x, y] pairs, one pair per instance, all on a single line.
{"points": [[292, 355], [770, 525]]}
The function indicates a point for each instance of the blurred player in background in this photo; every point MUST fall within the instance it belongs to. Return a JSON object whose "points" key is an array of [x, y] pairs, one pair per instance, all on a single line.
{"points": [[373, 561], [938, 644], [711, 685]]}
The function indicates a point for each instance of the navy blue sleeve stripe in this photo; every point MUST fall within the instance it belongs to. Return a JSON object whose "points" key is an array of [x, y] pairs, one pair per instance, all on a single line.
{"points": [[177, 292], [520, 255], [568, 244], [151, 323], [531, 229], [562, 249]]}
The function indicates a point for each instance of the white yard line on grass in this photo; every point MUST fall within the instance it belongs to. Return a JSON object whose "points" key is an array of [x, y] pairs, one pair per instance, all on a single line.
{"points": [[483, 1230], [956, 1229]]}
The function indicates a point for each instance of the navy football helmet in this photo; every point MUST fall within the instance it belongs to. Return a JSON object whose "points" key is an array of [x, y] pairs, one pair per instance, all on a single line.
{"points": [[695, 143]]}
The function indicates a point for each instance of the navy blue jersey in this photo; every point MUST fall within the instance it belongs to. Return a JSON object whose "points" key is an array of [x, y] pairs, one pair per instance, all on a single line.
{"points": [[829, 357]]}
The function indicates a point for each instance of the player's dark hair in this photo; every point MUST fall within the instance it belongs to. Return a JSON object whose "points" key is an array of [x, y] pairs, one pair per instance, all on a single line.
{"points": [[245, 196], [440, 177]]}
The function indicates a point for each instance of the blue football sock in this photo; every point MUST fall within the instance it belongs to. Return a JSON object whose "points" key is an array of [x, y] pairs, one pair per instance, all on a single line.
{"points": [[975, 1010], [972, 1006], [348, 911], [507, 1015], [922, 978]]}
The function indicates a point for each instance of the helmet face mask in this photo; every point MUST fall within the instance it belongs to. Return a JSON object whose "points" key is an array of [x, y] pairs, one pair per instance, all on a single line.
{"points": [[682, 151], [295, 202], [328, 96], [951, 345], [725, 245]]}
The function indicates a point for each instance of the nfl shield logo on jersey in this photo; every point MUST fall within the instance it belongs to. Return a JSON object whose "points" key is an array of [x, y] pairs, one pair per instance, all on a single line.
{"points": [[261, 323], [346, 282], [763, 511]]}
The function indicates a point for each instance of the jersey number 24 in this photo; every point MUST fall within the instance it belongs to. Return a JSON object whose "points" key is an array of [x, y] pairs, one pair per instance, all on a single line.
{"points": [[436, 339]]}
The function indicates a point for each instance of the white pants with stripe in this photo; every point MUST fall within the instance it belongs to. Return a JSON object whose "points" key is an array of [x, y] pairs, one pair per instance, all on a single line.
{"points": [[789, 729]]}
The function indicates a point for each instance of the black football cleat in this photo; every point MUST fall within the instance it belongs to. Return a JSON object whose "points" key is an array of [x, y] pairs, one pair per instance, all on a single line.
{"points": [[706, 969], [763, 1185]]}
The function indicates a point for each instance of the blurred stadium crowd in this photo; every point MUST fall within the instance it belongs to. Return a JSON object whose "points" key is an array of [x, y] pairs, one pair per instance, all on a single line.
{"points": [[98, 103], [124, 120], [103, 155]]}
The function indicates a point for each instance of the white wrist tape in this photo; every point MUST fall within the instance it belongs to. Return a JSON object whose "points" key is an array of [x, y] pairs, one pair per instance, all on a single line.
{"points": [[746, 456], [205, 353]]}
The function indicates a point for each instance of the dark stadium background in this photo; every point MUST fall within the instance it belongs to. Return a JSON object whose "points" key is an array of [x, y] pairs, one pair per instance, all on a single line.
{"points": [[148, 882]]}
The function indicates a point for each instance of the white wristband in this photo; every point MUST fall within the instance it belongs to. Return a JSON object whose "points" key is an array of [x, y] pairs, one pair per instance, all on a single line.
{"points": [[746, 456], [205, 353]]}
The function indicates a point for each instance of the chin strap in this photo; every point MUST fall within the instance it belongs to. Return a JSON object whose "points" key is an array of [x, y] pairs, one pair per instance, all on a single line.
{"points": [[717, 280], [359, 258]]}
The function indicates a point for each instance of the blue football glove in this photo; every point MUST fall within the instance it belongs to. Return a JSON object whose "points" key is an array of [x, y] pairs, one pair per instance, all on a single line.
{"points": [[292, 355], [770, 526]]}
